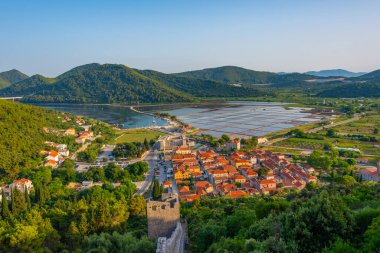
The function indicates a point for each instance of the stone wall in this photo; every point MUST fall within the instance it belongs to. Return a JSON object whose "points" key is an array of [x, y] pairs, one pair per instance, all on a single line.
{"points": [[172, 244], [162, 217]]}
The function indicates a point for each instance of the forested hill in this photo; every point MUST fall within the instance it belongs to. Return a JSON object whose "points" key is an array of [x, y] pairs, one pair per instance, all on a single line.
{"points": [[233, 75], [202, 88], [94, 83], [335, 72], [7, 78], [367, 85], [353, 90], [22, 135], [373, 76]]}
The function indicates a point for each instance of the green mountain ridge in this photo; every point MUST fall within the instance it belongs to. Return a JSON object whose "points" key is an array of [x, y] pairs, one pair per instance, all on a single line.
{"points": [[201, 88], [10, 77], [233, 75], [115, 83], [108, 83]]}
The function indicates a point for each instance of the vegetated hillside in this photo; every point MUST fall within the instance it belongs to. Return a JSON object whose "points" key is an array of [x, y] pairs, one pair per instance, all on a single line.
{"points": [[343, 216], [94, 83], [201, 87], [353, 90], [229, 75], [334, 72], [232, 75], [22, 135], [373, 76], [9, 77]]}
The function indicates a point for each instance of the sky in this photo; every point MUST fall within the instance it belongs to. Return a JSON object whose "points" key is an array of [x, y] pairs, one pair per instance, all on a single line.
{"points": [[51, 37]]}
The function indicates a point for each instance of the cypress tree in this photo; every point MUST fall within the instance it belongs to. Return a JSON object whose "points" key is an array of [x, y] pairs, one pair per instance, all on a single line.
{"points": [[27, 198], [4, 206], [83, 225], [156, 189], [18, 202]]}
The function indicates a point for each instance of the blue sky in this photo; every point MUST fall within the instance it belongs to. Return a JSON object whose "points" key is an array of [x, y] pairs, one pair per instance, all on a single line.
{"points": [[50, 37]]}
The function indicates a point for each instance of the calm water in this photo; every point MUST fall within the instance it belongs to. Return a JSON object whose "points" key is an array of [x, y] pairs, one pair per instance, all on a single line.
{"points": [[121, 116], [240, 119]]}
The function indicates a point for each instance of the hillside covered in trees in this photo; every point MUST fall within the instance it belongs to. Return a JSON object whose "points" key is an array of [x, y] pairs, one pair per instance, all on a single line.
{"points": [[22, 135], [96, 83], [335, 219], [10, 77], [113, 83], [233, 75]]}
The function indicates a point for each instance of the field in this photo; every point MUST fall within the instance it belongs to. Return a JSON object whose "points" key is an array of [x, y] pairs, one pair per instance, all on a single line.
{"points": [[365, 126], [135, 135]]}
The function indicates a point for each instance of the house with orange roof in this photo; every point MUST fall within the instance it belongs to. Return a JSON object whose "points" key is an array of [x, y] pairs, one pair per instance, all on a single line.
{"points": [[240, 162], [370, 174], [51, 163], [237, 194], [240, 179], [70, 132], [264, 185], [231, 170], [224, 188], [167, 184], [249, 173], [189, 197], [53, 155], [183, 150], [22, 185], [196, 174], [205, 185]]}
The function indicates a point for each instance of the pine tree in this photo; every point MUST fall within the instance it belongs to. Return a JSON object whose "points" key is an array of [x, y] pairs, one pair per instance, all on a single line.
{"points": [[4, 206]]}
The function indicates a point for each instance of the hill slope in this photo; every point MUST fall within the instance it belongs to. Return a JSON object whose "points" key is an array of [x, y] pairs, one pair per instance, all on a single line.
{"points": [[94, 83], [373, 76], [200, 87], [9, 77], [353, 90], [334, 72], [22, 135], [233, 75]]}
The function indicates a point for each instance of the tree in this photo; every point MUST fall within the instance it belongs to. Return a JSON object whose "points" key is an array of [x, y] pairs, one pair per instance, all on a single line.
{"points": [[156, 190], [18, 202], [137, 206], [83, 226], [372, 236], [4, 206], [146, 144], [331, 133], [27, 198]]}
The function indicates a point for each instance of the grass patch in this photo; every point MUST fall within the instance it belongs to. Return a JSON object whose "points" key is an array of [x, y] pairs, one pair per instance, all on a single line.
{"points": [[135, 135]]}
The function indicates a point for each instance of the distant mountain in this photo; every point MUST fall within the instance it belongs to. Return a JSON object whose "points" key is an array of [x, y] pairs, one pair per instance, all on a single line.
{"points": [[9, 77], [353, 90], [334, 72], [373, 76], [200, 87], [233, 75], [229, 75], [94, 83]]}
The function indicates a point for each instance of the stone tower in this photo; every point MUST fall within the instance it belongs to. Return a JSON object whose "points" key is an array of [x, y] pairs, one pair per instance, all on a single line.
{"points": [[162, 217]]}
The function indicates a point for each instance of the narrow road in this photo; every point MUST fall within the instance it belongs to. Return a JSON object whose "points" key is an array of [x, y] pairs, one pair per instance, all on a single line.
{"points": [[356, 117], [151, 158]]}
